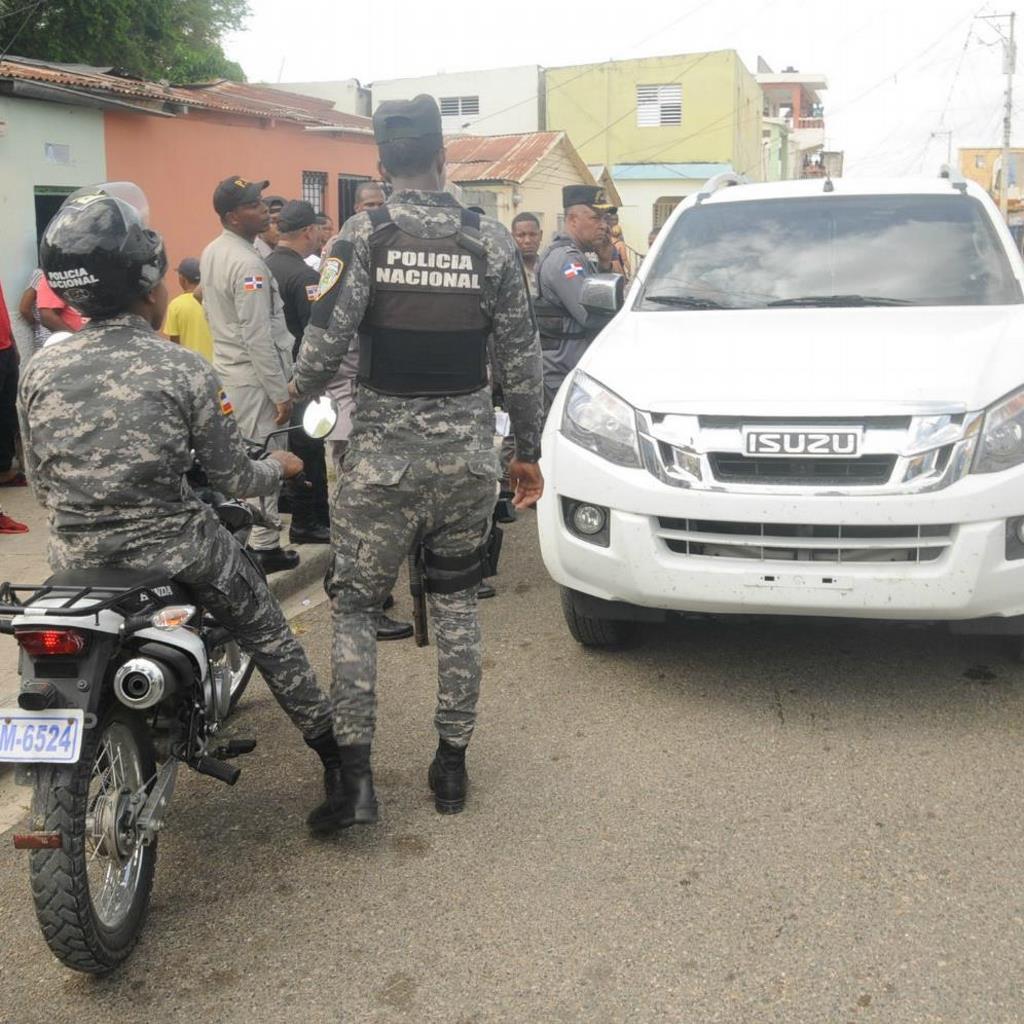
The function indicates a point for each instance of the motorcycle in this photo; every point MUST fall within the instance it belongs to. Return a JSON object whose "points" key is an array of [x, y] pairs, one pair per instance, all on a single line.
{"points": [[123, 679]]}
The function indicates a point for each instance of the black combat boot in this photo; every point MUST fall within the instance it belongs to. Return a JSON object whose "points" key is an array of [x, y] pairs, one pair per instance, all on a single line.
{"points": [[355, 766], [336, 811], [447, 778]]}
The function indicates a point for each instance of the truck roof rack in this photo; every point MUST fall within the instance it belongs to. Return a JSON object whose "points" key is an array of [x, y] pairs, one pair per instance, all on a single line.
{"points": [[954, 177], [724, 180]]}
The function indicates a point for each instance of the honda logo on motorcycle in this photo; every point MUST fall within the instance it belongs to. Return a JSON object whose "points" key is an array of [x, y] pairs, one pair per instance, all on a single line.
{"points": [[785, 443]]}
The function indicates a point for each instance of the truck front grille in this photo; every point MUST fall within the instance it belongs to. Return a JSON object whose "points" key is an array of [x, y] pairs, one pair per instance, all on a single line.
{"points": [[787, 542], [730, 467]]}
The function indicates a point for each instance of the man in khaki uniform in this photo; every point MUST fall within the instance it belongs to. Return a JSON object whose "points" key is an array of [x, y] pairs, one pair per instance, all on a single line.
{"points": [[252, 348]]}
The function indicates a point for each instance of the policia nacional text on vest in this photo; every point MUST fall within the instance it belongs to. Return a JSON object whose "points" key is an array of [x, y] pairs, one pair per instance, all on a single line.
{"points": [[424, 332]]}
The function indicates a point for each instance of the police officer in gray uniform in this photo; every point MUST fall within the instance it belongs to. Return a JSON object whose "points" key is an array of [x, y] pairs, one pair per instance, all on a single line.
{"points": [[566, 329], [419, 284], [110, 417], [252, 347]]}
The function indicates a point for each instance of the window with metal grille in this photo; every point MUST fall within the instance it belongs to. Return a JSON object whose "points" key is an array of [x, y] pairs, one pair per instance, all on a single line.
{"points": [[659, 105], [663, 208], [459, 106], [314, 189]]}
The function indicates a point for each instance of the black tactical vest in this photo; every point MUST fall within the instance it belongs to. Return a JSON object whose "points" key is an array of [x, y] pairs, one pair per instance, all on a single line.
{"points": [[424, 332], [551, 315]]}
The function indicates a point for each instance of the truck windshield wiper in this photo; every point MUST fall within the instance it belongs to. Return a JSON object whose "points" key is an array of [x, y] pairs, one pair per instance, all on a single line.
{"points": [[684, 301], [843, 300]]}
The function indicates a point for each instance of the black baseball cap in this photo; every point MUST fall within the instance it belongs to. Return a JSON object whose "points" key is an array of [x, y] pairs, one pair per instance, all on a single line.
{"points": [[418, 118], [587, 195], [234, 191], [295, 215], [189, 268], [273, 202]]}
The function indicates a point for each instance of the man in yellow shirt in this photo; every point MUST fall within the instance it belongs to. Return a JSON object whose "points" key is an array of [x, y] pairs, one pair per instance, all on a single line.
{"points": [[186, 321]]}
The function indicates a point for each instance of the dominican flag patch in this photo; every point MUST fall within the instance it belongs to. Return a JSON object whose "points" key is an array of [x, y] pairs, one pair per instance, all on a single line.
{"points": [[225, 403], [572, 269], [253, 283]]}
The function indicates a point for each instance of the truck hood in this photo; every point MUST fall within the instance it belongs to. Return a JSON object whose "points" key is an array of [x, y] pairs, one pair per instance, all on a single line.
{"points": [[834, 362]]}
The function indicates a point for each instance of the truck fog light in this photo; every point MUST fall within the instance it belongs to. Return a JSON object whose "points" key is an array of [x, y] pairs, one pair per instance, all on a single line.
{"points": [[1015, 539], [588, 519]]}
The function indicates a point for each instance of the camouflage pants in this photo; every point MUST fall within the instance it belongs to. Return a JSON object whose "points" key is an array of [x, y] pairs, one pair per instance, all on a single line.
{"points": [[234, 592], [382, 504]]}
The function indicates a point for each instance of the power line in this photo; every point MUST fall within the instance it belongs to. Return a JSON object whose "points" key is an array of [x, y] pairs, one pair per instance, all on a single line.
{"points": [[591, 67], [903, 67], [14, 11], [20, 28]]}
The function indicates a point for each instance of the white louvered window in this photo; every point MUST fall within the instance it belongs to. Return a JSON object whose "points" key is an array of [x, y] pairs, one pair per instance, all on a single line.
{"points": [[459, 106], [658, 105]]}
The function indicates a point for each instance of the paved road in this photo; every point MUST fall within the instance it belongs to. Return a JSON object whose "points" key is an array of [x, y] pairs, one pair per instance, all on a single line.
{"points": [[737, 823]]}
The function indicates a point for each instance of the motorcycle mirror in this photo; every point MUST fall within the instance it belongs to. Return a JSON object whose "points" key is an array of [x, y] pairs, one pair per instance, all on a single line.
{"points": [[319, 418]]}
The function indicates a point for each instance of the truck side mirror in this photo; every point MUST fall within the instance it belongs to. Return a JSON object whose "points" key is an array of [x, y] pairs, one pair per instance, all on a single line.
{"points": [[603, 294]]}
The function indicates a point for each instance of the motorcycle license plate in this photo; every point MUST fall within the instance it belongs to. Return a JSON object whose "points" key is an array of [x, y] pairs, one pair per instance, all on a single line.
{"points": [[53, 736]]}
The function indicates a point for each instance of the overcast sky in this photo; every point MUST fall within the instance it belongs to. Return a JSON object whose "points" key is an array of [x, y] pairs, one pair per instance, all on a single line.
{"points": [[897, 72]]}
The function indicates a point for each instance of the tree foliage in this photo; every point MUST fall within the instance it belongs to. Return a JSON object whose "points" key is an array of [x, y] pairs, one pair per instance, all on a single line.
{"points": [[177, 40]]}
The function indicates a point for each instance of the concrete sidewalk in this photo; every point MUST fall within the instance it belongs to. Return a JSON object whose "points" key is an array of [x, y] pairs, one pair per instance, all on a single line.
{"points": [[23, 560]]}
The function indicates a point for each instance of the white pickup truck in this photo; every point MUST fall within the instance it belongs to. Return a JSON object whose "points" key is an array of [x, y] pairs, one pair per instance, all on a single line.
{"points": [[812, 403]]}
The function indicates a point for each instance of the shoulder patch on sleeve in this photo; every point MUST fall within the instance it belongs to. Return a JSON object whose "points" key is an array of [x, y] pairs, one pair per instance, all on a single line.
{"points": [[312, 291], [573, 268], [253, 283], [225, 403], [330, 275]]}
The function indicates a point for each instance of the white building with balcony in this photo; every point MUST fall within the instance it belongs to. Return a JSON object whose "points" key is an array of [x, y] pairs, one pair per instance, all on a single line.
{"points": [[792, 99]]}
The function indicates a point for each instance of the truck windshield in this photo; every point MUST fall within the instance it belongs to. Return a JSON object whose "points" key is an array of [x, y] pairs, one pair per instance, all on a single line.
{"points": [[879, 250]]}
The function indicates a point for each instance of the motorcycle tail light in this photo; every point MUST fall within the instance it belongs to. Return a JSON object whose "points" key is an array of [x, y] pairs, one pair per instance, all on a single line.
{"points": [[40, 643]]}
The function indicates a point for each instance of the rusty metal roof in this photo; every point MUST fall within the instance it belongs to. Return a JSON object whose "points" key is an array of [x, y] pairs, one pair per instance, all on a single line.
{"points": [[224, 97], [498, 157]]}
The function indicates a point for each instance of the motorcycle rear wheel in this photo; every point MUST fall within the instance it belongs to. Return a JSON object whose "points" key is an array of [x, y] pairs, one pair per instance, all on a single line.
{"points": [[92, 894]]}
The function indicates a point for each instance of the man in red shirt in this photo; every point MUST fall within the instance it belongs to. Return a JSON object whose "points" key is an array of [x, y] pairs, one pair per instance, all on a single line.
{"points": [[54, 313], [8, 414]]}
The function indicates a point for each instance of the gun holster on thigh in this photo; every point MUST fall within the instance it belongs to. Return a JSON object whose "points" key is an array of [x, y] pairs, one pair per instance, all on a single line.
{"points": [[448, 574]]}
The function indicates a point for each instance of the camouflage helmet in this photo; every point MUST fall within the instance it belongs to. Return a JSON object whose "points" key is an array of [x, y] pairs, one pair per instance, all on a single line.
{"points": [[98, 254]]}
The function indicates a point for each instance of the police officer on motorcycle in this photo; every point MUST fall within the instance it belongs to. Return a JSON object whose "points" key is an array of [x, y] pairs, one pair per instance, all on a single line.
{"points": [[110, 418]]}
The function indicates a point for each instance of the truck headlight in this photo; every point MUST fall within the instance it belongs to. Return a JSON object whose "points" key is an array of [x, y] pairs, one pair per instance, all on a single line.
{"points": [[1001, 445], [598, 420]]}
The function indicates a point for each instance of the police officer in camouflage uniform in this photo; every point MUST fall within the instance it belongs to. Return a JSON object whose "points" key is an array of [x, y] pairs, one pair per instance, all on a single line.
{"points": [[419, 285], [109, 417], [566, 328]]}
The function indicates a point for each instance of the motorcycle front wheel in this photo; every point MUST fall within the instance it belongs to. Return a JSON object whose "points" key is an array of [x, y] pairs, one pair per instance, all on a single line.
{"points": [[92, 894]]}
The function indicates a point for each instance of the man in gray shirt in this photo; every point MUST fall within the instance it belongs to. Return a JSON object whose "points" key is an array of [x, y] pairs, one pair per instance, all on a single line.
{"points": [[566, 329], [252, 348]]}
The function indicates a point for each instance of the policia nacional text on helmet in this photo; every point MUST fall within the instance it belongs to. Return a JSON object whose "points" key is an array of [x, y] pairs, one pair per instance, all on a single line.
{"points": [[109, 418], [421, 283]]}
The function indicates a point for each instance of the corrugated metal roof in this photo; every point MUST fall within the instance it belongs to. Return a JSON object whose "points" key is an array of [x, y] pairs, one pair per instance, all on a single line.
{"points": [[657, 172], [224, 97], [498, 157]]}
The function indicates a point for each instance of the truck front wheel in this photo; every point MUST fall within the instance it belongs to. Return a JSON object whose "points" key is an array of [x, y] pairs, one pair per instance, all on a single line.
{"points": [[591, 631]]}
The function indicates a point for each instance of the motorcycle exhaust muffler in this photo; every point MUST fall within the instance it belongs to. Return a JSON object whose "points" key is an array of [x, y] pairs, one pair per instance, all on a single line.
{"points": [[142, 683]]}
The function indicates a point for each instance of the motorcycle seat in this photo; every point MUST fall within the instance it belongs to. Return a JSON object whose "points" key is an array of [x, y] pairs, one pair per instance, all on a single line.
{"points": [[161, 587], [107, 577]]}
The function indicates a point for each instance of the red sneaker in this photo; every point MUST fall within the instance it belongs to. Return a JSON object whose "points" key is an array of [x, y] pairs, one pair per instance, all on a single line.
{"points": [[9, 525]]}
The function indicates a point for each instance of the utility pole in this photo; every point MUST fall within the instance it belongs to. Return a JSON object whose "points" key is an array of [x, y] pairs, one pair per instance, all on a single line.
{"points": [[1009, 66], [949, 143]]}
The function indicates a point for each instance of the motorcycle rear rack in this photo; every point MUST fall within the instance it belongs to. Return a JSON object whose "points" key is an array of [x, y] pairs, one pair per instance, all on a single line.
{"points": [[101, 598]]}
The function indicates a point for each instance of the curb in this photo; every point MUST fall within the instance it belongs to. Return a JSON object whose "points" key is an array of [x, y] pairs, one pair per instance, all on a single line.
{"points": [[315, 560]]}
